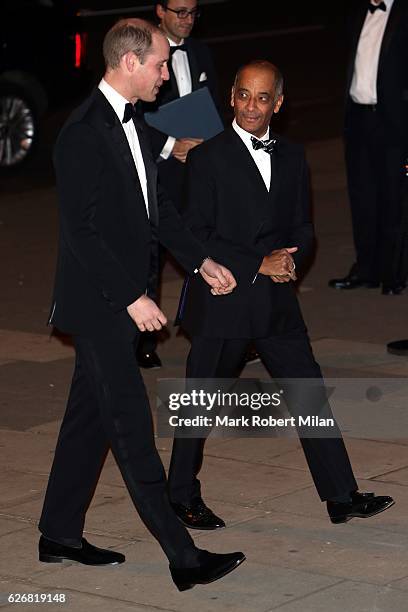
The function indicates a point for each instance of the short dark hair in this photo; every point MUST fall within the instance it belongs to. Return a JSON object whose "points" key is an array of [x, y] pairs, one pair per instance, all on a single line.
{"points": [[266, 64], [126, 35], [163, 3]]}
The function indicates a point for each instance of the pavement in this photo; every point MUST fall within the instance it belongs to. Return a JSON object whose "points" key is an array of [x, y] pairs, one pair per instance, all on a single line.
{"points": [[296, 559]]}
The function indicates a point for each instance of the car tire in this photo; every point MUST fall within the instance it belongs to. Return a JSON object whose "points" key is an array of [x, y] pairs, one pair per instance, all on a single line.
{"points": [[18, 127]]}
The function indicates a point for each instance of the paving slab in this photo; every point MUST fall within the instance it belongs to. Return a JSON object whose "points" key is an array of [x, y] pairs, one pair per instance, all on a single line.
{"points": [[341, 551], [350, 596], [25, 346], [144, 578], [307, 503], [369, 458], [345, 353], [74, 601], [19, 558]]}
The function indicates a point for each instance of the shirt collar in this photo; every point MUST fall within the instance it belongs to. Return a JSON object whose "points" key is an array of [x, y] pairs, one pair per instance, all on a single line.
{"points": [[173, 44], [246, 136], [115, 99], [388, 4]]}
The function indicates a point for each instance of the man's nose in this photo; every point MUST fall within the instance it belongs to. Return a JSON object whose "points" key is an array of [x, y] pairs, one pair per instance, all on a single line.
{"points": [[251, 103], [165, 73]]}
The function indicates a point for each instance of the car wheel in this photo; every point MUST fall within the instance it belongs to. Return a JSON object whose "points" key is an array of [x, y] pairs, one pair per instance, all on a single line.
{"points": [[18, 127]]}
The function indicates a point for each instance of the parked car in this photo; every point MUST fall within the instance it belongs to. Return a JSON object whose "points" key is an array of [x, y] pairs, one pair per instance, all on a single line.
{"points": [[43, 63]]}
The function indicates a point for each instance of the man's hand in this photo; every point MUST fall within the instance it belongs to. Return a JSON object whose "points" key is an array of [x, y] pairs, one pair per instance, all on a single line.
{"points": [[220, 279], [182, 146], [279, 265], [146, 314]]}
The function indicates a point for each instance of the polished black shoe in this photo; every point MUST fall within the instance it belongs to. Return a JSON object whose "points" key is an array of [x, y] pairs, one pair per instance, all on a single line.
{"points": [[352, 281], [212, 567], [149, 361], [198, 516], [393, 289], [398, 347], [52, 552], [362, 505]]}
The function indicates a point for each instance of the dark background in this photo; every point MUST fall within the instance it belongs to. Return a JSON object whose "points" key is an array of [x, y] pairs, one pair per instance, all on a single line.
{"points": [[305, 39]]}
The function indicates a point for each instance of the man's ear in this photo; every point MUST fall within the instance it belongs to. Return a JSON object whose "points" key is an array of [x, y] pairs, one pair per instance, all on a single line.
{"points": [[130, 61], [160, 11], [278, 104], [232, 96]]}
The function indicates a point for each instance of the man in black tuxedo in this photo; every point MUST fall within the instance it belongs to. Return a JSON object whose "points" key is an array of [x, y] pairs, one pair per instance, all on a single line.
{"points": [[190, 68], [376, 140], [112, 215], [247, 200]]}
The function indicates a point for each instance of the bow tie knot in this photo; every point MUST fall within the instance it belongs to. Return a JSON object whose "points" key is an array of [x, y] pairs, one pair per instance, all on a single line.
{"points": [[132, 111], [269, 146], [175, 48], [373, 7]]}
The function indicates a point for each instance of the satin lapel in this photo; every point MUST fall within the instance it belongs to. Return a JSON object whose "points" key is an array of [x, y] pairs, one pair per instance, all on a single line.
{"points": [[120, 144], [194, 69], [392, 23], [171, 90], [275, 173], [151, 172]]}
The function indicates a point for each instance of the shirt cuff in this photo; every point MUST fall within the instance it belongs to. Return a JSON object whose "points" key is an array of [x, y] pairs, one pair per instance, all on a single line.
{"points": [[168, 147]]}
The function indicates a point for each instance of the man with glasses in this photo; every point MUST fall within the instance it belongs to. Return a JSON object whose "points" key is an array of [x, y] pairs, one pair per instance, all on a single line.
{"points": [[190, 67]]}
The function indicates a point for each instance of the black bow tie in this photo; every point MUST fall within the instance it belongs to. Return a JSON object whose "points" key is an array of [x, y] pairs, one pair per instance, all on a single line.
{"points": [[175, 48], [373, 7], [269, 146], [132, 111]]}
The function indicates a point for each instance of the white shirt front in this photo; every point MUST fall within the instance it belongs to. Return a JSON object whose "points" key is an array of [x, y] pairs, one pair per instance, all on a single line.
{"points": [[363, 88], [118, 103], [260, 157], [182, 74]]}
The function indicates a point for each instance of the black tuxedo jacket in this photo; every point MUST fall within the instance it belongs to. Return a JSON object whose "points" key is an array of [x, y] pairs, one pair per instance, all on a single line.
{"points": [[392, 78], [232, 212], [201, 63], [106, 237]]}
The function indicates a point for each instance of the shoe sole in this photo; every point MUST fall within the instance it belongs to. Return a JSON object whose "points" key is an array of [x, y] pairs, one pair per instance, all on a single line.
{"points": [[347, 517], [200, 528], [53, 559], [187, 585]]}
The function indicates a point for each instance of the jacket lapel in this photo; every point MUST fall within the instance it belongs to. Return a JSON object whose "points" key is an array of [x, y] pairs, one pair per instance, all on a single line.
{"points": [[393, 20], [242, 161], [194, 69], [121, 146], [151, 172]]}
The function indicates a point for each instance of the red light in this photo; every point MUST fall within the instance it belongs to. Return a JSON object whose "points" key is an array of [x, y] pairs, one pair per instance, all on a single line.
{"points": [[80, 42]]}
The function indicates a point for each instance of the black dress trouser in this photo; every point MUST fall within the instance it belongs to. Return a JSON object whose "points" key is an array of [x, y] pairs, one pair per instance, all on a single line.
{"points": [[286, 356], [374, 162], [108, 408]]}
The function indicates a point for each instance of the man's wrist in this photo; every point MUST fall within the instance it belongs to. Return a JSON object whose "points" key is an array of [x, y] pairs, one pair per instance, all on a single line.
{"points": [[198, 269]]}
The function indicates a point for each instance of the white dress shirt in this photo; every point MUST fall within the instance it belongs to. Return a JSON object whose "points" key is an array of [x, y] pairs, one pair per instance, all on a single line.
{"points": [[118, 104], [363, 88], [260, 157], [182, 74]]}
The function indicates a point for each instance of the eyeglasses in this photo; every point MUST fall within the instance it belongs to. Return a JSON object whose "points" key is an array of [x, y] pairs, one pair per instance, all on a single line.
{"points": [[184, 13]]}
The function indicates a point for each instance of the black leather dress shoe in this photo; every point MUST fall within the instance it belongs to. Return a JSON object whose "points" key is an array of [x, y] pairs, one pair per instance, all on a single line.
{"points": [[398, 347], [212, 567], [362, 505], [352, 281], [198, 516], [393, 289], [52, 552], [149, 361]]}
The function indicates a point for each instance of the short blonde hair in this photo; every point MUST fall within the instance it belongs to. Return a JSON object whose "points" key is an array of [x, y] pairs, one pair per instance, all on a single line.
{"points": [[126, 35]]}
